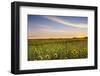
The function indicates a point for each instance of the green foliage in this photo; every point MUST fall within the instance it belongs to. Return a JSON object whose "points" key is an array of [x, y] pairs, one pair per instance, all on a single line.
{"points": [[51, 49]]}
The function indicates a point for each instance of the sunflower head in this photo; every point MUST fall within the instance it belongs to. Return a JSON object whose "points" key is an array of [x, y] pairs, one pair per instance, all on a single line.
{"points": [[55, 55], [40, 58], [47, 57]]}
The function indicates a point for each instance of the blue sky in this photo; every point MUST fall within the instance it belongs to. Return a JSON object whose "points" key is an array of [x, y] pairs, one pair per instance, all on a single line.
{"points": [[42, 26]]}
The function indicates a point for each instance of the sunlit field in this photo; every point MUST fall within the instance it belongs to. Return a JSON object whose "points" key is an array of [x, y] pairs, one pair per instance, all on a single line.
{"points": [[52, 49]]}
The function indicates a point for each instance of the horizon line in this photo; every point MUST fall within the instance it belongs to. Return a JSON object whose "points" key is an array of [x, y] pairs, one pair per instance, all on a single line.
{"points": [[60, 38]]}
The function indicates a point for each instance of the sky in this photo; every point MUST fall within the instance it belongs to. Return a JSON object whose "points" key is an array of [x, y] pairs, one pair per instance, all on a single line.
{"points": [[46, 26]]}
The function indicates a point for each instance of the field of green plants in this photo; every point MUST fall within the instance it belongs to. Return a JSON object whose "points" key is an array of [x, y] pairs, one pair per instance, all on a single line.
{"points": [[52, 49]]}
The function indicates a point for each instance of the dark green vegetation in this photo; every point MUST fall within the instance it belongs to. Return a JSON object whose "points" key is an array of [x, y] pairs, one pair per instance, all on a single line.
{"points": [[51, 49]]}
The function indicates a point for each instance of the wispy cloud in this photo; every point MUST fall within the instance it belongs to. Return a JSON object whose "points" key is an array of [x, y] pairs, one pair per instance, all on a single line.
{"points": [[66, 23]]}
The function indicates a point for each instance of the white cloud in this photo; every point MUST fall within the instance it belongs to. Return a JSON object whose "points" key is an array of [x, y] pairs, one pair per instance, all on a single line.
{"points": [[66, 23]]}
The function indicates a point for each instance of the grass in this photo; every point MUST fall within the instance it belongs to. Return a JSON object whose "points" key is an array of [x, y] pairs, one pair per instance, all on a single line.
{"points": [[52, 49]]}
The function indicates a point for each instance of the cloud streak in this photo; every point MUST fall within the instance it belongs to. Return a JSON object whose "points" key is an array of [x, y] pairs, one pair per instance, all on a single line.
{"points": [[66, 23]]}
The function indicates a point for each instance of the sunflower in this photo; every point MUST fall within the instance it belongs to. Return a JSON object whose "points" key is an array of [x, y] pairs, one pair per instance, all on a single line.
{"points": [[40, 57], [47, 57], [55, 55]]}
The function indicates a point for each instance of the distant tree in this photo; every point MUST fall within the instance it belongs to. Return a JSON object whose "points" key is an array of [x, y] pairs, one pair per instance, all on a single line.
{"points": [[85, 37], [74, 38]]}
